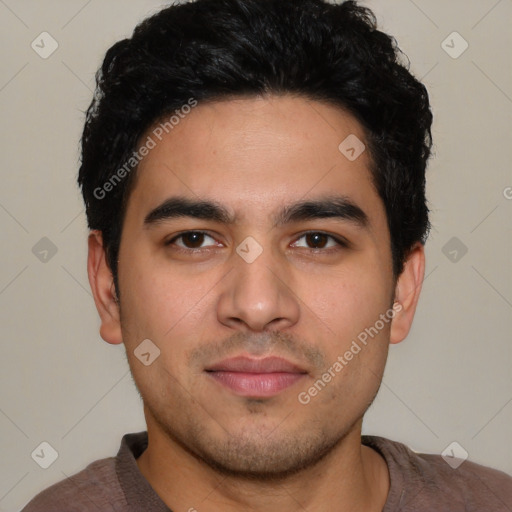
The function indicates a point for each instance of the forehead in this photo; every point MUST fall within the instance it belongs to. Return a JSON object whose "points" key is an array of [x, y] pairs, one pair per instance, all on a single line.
{"points": [[256, 154]]}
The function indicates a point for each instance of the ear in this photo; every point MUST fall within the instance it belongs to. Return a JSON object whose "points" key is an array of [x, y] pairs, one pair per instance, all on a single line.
{"points": [[102, 286], [407, 293]]}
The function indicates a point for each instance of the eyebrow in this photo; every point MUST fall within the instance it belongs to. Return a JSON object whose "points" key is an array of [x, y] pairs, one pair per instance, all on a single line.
{"points": [[339, 207]]}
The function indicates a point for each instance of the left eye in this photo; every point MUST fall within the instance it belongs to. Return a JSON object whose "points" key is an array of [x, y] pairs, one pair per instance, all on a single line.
{"points": [[319, 240]]}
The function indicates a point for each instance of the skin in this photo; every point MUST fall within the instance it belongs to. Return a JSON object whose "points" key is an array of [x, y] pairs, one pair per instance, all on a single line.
{"points": [[209, 448]]}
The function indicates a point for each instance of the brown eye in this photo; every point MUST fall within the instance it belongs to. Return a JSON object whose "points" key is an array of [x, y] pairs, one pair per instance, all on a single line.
{"points": [[318, 240], [190, 240]]}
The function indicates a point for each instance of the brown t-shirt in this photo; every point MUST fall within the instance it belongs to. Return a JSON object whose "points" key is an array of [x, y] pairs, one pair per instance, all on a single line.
{"points": [[419, 483]]}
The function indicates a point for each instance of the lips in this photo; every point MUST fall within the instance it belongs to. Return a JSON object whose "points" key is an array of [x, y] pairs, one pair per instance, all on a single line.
{"points": [[256, 378], [251, 365]]}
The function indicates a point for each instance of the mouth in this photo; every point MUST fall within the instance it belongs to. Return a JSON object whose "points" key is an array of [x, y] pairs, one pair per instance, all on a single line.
{"points": [[256, 378]]}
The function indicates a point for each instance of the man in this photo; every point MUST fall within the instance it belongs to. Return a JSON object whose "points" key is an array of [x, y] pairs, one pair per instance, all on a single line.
{"points": [[254, 178]]}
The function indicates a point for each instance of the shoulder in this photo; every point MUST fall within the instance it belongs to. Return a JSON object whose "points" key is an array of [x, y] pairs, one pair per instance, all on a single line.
{"points": [[477, 487], [94, 488], [430, 480]]}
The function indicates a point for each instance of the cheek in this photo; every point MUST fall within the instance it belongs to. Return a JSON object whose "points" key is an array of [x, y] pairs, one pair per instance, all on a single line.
{"points": [[168, 307], [154, 298], [349, 300]]}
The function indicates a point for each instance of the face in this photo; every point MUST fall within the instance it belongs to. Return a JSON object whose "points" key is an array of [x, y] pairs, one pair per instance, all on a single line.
{"points": [[253, 254]]}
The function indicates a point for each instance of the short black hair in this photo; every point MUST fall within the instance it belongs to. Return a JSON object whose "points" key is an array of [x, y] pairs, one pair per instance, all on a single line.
{"points": [[211, 50]]}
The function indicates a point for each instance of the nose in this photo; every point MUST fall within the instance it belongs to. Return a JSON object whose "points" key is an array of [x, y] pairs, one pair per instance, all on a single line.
{"points": [[258, 295]]}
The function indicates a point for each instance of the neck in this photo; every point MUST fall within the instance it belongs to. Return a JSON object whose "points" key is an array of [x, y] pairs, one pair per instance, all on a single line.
{"points": [[352, 477]]}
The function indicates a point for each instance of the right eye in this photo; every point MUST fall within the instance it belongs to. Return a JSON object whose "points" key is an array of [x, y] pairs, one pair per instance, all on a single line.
{"points": [[190, 240]]}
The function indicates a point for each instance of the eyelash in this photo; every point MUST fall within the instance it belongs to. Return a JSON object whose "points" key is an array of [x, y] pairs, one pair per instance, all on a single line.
{"points": [[339, 241]]}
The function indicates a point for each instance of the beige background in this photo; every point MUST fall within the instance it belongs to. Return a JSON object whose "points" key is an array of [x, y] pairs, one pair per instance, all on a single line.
{"points": [[450, 381]]}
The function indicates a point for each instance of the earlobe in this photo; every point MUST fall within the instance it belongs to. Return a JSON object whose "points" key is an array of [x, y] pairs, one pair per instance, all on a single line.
{"points": [[101, 281], [407, 293]]}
